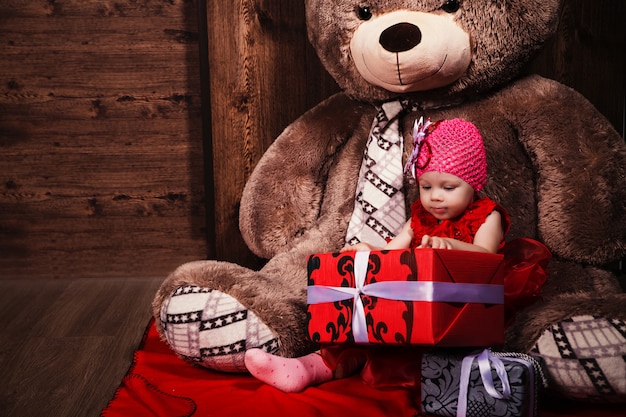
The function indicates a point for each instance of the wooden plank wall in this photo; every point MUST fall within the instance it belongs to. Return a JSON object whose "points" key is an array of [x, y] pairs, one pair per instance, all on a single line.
{"points": [[101, 162], [263, 75], [588, 53]]}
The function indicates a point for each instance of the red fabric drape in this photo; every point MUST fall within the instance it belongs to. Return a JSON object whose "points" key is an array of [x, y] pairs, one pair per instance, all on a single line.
{"points": [[161, 384]]}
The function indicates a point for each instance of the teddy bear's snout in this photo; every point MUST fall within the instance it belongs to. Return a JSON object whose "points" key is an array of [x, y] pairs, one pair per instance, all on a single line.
{"points": [[400, 37]]}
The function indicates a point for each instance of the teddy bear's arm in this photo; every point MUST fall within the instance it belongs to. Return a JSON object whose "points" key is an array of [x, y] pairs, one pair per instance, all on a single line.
{"points": [[580, 161], [284, 196]]}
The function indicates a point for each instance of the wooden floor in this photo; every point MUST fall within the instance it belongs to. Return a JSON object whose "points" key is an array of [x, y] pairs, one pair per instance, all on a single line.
{"points": [[66, 344]]}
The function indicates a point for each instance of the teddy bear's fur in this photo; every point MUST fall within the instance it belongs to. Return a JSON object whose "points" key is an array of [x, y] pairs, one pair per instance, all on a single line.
{"points": [[555, 163]]}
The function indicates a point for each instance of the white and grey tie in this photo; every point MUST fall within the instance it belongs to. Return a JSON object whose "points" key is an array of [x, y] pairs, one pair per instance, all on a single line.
{"points": [[379, 209]]}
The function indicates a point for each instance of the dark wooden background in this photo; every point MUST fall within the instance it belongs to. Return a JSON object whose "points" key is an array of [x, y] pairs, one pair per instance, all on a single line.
{"points": [[101, 156], [110, 165]]}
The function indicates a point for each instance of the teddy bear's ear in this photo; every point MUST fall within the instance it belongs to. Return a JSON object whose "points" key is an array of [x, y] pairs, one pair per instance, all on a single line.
{"points": [[512, 27]]}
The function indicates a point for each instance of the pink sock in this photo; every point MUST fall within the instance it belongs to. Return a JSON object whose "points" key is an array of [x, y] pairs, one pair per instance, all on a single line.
{"points": [[287, 374]]}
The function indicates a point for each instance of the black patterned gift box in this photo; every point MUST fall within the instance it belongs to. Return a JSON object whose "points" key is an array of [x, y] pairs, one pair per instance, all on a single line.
{"points": [[458, 383]]}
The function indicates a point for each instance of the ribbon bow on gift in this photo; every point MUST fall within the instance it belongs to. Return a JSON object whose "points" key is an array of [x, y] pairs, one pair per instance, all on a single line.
{"points": [[447, 292], [485, 360]]}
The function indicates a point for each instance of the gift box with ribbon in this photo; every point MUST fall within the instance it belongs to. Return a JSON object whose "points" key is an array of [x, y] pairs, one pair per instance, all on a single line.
{"points": [[431, 297], [480, 384]]}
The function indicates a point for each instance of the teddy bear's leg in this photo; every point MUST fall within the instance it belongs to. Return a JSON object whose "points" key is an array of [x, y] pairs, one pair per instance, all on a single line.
{"points": [[585, 357], [579, 331], [212, 329], [211, 312]]}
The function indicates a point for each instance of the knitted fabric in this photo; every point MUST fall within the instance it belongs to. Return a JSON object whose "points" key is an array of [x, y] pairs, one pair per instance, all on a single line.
{"points": [[455, 147]]}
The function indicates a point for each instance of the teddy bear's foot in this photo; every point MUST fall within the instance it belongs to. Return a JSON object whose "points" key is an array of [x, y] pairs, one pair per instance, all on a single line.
{"points": [[205, 326], [585, 358]]}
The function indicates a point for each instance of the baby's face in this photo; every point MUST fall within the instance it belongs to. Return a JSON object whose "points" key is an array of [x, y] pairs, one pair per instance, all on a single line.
{"points": [[445, 196]]}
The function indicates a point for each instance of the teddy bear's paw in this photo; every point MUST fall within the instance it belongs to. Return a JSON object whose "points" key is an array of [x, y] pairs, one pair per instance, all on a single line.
{"points": [[585, 358], [212, 329]]}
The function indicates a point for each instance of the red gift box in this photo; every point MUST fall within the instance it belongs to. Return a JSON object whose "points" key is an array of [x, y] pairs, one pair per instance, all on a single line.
{"points": [[406, 297]]}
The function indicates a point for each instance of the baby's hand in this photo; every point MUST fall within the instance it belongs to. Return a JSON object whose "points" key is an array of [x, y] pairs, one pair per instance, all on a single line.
{"points": [[359, 246], [435, 242]]}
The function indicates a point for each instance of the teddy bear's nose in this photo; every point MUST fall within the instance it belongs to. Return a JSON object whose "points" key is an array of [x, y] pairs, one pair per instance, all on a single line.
{"points": [[400, 37]]}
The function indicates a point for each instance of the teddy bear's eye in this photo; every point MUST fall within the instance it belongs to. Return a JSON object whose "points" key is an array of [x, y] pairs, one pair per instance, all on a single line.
{"points": [[364, 13], [450, 6]]}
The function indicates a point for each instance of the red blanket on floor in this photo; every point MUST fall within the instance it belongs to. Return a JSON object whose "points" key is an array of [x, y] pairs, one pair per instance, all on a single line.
{"points": [[160, 384]]}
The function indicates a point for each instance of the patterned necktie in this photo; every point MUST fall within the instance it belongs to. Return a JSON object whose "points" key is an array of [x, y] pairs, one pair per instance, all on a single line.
{"points": [[379, 209]]}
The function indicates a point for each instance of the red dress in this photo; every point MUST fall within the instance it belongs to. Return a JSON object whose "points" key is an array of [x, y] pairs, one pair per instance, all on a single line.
{"points": [[462, 228], [525, 272]]}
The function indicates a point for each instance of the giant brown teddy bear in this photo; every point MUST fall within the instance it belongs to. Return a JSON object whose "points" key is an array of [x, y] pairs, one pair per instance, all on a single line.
{"points": [[555, 163]]}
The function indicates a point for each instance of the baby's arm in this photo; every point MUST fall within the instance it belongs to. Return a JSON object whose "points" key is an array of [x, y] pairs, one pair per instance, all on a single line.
{"points": [[359, 247], [401, 241], [404, 238]]}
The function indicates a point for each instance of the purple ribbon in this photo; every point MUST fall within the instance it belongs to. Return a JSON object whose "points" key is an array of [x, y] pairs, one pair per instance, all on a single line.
{"points": [[445, 292], [485, 360]]}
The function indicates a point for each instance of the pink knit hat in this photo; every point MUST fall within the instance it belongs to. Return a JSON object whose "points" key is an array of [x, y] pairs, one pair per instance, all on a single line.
{"points": [[450, 146]]}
